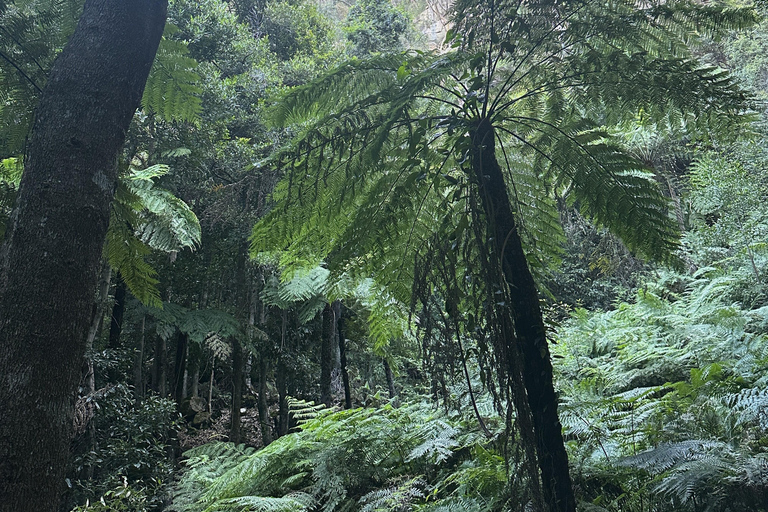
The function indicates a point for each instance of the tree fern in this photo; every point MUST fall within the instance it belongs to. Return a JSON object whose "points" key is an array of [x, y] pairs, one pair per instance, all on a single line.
{"points": [[302, 411], [347, 460], [172, 91], [143, 218]]}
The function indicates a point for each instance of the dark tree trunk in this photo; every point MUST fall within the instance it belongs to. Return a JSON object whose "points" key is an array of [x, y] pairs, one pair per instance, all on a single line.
{"points": [[52, 255], [194, 360], [343, 358], [282, 393], [390, 379], [138, 364], [180, 367], [238, 364], [528, 322], [116, 323], [326, 355], [159, 366], [266, 430], [100, 307]]}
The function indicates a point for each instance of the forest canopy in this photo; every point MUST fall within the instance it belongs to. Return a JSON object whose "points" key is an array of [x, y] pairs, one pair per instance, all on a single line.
{"points": [[380, 255]]}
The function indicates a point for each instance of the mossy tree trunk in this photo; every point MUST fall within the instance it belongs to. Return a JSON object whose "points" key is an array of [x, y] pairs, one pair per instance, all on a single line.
{"points": [[52, 256], [528, 321]]}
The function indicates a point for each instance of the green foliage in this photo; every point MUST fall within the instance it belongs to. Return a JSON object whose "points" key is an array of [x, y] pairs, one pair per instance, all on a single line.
{"points": [[145, 218], [129, 459], [667, 393], [172, 90], [32, 33], [122, 499], [376, 26], [296, 29], [362, 459], [302, 411], [383, 144]]}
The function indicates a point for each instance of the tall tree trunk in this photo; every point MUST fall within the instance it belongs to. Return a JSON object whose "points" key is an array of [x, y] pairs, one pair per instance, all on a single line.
{"points": [[116, 323], [50, 262], [266, 430], [194, 360], [528, 322], [282, 395], [99, 308], [326, 355], [138, 364], [343, 360], [238, 364], [159, 366], [390, 379], [180, 367]]}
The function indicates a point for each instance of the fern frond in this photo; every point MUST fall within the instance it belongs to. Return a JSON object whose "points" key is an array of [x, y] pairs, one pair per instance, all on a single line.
{"points": [[302, 411], [172, 90]]}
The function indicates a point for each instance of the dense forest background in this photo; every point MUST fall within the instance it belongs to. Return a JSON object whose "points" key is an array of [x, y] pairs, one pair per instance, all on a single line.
{"points": [[267, 337]]}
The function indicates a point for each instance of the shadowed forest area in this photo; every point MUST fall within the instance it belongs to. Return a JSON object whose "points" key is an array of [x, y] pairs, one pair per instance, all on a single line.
{"points": [[383, 255]]}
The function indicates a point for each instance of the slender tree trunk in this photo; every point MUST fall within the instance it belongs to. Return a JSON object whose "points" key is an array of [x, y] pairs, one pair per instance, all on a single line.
{"points": [[159, 367], [210, 391], [266, 430], [390, 379], [326, 355], [343, 360], [238, 364], [180, 367], [138, 364], [528, 322], [282, 394], [50, 262], [99, 308], [116, 323], [194, 361]]}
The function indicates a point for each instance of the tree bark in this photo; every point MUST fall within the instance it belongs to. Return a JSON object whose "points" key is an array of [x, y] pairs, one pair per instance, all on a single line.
{"points": [[180, 367], [343, 360], [51, 258], [194, 361], [238, 364], [116, 323], [99, 308], [266, 430], [326, 356], [390, 379], [159, 366], [528, 322], [281, 381], [138, 364]]}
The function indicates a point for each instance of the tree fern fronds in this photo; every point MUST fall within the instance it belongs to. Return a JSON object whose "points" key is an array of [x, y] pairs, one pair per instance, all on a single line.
{"points": [[439, 444], [125, 254], [168, 224], [290, 503], [221, 349], [333, 461], [666, 456], [302, 411], [172, 91], [394, 498], [143, 218], [204, 464]]}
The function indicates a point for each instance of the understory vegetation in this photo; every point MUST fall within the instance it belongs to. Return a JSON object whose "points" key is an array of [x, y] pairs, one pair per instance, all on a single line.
{"points": [[359, 252]]}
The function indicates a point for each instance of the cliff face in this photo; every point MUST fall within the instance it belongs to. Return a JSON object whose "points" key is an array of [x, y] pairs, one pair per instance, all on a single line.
{"points": [[433, 22]]}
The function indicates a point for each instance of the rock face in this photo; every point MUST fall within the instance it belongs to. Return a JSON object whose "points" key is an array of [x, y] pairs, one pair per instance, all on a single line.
{"points": [[201, 418], [433, 22], [190, 407]]}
